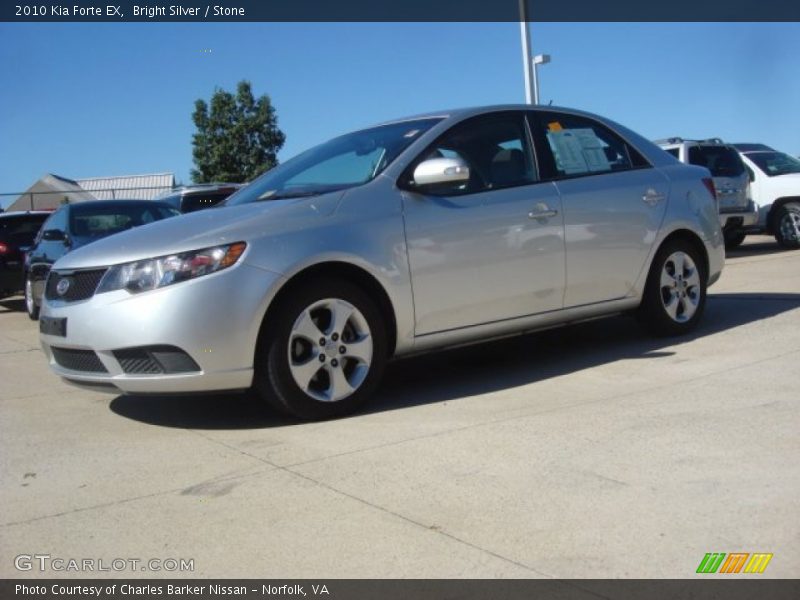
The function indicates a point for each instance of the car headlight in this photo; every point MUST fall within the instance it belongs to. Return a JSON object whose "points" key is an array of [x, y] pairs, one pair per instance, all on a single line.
{"points": [[152, 273]]}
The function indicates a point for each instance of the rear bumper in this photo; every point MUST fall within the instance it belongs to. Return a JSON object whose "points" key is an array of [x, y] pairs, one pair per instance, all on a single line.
{"points": [[740, 219]]}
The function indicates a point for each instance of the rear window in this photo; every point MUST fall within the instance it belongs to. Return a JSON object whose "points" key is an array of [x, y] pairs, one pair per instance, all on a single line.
{"points": [[722, 161], [21, 224]]}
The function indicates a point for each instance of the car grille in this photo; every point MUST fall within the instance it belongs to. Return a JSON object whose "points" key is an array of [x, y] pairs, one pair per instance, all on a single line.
{"points": [[82, 284], [78, 360]]}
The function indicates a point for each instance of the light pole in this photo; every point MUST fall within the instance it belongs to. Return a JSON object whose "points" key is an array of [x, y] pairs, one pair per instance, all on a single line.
{"points": [[539, 59], [526, 51], [529, 67]]}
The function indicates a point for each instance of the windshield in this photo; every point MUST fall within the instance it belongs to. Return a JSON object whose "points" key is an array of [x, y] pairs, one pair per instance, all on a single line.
{"points": [[343, 162], [93, 222], [775, 163], [722, 161]]}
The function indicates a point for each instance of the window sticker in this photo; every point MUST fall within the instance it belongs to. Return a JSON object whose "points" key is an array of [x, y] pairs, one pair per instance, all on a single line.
{"points": [[593, 151], [578, 151]]}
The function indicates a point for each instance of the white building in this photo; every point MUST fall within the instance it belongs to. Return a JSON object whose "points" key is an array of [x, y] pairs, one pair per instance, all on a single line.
{"points": [[51, 191]]}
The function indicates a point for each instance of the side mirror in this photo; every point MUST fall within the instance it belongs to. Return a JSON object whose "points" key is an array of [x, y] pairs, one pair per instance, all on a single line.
{"points": [[439, 171], [54, 235], [750, 173]]}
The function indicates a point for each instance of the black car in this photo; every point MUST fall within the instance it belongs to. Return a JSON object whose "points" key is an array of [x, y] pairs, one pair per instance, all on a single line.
{"points": [[75, 225], [17, 232], [197, 197]]}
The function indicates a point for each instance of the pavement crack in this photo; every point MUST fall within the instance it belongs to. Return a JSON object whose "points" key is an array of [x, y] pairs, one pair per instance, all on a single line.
{"points": [[438, 530], [427, 527]]}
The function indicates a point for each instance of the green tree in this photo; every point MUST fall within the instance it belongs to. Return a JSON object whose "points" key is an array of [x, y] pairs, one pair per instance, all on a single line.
{"points": [[237, 139]]}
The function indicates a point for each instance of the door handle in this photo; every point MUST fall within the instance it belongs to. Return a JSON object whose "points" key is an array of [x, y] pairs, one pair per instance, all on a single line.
{"points": [[542, 211], [652, 197]]}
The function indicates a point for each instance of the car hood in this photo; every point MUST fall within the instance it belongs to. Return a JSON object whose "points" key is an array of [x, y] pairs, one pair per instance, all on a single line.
{"points": [[201, 229]]}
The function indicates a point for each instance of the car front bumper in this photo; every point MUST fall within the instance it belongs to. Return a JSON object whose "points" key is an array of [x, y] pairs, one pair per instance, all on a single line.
{"points": [[214, 320]]}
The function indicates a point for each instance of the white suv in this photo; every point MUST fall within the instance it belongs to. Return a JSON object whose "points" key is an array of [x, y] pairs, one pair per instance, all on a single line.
{"points": [[775, 188], [736, 210]]}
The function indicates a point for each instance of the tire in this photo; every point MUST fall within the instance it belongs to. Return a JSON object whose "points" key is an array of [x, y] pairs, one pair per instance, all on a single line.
{"points": [[734, 239], [30, 303], [787, 225], [674, 297], [322, 352]]}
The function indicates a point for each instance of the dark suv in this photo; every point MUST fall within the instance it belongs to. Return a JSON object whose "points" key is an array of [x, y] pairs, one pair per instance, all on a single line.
{"points": [[75, 225], [197, 197], [17, 232]]}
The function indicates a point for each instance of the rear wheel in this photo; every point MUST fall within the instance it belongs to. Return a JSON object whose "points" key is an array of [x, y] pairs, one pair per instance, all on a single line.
{"points": [[733, 239], [30, 303], [787, 225], [323, 351], [675, 294]]}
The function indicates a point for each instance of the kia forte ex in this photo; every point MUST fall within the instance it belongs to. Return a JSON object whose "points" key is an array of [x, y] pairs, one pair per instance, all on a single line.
{"points": [[414, 235]]}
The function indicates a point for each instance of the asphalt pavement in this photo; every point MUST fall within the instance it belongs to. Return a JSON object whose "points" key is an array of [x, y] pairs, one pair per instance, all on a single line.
{"points": [[591, 451]]}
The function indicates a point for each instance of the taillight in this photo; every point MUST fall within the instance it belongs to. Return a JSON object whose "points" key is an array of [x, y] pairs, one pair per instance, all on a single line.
{"points": [[709, 183], [3, 248]]}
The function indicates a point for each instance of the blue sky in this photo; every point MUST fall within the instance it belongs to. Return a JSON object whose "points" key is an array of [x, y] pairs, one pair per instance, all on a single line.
{"points": [[91, 100]]}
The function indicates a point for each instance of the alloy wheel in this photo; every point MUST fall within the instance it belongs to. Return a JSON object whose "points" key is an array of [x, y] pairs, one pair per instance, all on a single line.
{"points": [[680, 287], [30, 305], [330, 350], [790, 226]]}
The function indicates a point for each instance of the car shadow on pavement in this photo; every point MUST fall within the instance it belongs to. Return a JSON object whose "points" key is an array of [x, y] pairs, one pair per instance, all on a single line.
{"points": [[473, 370], [765, 248]]}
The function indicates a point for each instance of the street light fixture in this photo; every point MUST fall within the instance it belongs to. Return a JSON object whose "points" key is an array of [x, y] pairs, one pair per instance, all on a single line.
{"points": [[539, 59]]}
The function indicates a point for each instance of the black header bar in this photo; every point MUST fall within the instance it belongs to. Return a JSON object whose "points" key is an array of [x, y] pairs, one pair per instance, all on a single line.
{"points": [[732, 588], [193, 11]]}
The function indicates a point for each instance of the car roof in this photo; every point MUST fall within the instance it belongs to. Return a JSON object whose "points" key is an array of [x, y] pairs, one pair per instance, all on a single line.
{"points": [[118, 203], [479, 110]]}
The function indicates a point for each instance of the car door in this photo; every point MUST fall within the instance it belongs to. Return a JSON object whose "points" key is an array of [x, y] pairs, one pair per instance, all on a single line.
{"points": [[490, 249], [613, 204]]}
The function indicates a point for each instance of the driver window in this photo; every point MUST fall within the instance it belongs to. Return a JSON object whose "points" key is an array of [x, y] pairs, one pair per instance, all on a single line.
{"points": [[494, 147]]}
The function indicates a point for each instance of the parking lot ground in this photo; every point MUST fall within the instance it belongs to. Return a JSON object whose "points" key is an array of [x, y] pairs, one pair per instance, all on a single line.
{"points": [[589, 451]]}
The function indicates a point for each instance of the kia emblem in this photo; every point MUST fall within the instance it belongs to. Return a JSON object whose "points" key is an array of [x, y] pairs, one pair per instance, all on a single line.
{"points": [[63, 286]]}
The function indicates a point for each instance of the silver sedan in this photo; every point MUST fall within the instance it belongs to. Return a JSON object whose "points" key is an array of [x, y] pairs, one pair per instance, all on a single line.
{"points": [[417, 234]]}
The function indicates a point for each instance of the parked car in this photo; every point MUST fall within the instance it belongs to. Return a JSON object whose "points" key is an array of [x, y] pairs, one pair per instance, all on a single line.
{"points": [[410, 236], [73, 226], [197, 197], [736, 209], [775, 188], [17, 231]]}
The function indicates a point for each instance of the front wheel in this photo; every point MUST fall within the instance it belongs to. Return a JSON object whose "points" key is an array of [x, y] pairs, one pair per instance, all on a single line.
{"points": [[675, 293], [30, 303], [322, 352], [787, 230]]}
